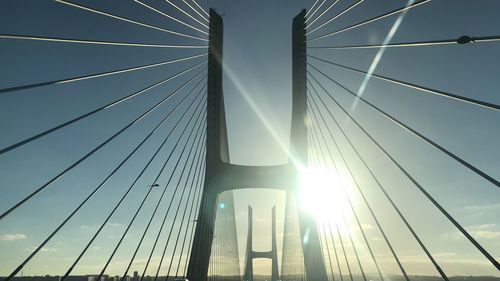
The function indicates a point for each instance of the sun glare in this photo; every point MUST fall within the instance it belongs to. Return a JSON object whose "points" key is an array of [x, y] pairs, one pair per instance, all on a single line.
{"points": [[321, 194]]}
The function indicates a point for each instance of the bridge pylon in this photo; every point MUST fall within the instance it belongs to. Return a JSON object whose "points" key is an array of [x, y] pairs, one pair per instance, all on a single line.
{"points": [[251, 254], [221, 175]]}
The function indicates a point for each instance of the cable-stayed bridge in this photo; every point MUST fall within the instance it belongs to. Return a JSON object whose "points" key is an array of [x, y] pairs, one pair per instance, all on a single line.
{"points": [[175, 184]]}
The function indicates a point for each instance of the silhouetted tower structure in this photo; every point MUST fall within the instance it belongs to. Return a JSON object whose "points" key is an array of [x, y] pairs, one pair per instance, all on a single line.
{"points": [[251, 254], [313, 259], [222, 176]]}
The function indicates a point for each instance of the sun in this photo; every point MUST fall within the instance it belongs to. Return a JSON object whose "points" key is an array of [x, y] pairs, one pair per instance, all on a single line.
{"points": [[321, 194]]}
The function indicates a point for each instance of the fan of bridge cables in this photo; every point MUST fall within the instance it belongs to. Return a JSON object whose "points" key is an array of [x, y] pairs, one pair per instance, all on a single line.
{"points": [[114, 160], [398, 176]]}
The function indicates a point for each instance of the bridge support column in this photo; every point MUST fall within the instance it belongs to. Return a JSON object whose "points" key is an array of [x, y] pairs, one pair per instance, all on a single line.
{"points": [[313, 259], [216, 154]]}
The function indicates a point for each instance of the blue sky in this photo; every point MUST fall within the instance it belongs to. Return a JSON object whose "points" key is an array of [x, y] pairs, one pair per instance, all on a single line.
{"points": [[257, 53]]}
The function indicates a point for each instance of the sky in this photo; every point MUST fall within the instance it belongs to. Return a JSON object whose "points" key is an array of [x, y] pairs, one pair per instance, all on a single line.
{"points": [[257, 92]]}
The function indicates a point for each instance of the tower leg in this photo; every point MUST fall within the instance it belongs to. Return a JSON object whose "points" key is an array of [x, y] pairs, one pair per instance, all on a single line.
{"points": [[313, 259], [203, 238], [274, 249], [216, 148], [248, 276]]}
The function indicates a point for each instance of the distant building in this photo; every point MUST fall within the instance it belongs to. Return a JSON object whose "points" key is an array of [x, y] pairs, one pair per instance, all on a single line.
{"points": [[95, 278], [136, 276]]}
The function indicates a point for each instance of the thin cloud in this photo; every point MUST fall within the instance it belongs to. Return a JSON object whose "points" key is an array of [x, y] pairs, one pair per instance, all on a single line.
{"points": [[44, 249], [12, 237], [49, 250], [482, 207], [366, 226], [488, 231], [488, 234], [485, 231], [445, 254], [483, 226]]}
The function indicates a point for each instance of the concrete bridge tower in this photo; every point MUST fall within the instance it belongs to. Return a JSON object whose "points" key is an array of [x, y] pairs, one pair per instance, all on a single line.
{"points": [[222, 176], [251, 254]]}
